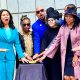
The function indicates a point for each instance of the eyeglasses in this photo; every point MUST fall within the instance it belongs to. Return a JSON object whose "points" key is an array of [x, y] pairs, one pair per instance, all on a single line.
{"points": [[42, 10], [28, 24]]}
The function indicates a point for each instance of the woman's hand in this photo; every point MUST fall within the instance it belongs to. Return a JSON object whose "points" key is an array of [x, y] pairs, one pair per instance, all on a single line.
{"points": [[36, 56], [41, 54], [24, 60], [75, 60], [76, 48], [41, 57], [28, 57]]}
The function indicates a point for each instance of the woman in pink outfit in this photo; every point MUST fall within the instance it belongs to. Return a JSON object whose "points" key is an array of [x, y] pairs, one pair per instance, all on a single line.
{"points": [[68, 37]]}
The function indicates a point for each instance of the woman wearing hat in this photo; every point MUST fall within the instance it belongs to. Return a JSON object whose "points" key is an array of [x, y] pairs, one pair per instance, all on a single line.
{"points": [[68, 37], [52, 65]]}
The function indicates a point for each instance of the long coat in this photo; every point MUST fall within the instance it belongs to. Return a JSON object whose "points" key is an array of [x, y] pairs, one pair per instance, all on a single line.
{"points": [[61, 39], [51, 65]]}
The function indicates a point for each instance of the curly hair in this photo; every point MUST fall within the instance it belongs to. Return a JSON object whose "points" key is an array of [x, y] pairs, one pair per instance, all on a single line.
{"points": [[11, 24]]}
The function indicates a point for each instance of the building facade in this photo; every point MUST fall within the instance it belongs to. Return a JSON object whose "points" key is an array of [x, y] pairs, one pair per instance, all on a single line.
{"points": [[21, 7]]}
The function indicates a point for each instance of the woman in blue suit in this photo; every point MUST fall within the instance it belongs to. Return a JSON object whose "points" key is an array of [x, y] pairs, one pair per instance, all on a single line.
{"points": [[8, 38]]}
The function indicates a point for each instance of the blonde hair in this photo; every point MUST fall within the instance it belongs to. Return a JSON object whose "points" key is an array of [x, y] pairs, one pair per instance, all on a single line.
{"points": [[70, 6]]}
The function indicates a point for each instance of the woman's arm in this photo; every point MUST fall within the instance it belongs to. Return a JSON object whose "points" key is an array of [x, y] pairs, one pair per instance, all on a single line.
{"points": [[52, 48], [18, 47]]}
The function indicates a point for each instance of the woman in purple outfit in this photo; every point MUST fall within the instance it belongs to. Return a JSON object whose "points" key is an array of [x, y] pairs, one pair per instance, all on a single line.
{"points": [[68, 37]]}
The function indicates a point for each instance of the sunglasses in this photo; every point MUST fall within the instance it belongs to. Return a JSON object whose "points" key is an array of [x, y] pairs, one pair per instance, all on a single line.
{"points": [[28, 24], [42, 10]]}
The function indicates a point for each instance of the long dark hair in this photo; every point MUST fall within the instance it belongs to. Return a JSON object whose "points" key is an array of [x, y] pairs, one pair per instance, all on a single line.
{"points": [[11, 24], [76, 21]]}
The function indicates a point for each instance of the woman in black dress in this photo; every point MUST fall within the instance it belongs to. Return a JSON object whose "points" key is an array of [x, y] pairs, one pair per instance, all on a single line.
{"points": [[52, 66]]}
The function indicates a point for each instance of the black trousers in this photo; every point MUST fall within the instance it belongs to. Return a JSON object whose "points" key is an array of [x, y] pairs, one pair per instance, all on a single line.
{"points": [[53, 68]]}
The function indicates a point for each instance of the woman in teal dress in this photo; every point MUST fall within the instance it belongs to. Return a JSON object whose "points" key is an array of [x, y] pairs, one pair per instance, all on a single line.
{"points": [[8, 39]]}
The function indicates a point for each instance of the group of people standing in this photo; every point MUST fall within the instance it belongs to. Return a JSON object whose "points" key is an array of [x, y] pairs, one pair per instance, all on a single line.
{"points": [[52, 40], [68, 38], [65, 36]]}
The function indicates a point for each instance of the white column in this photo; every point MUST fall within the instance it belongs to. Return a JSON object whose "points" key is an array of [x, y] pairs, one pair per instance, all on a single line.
{"points": [[3, 4]]}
